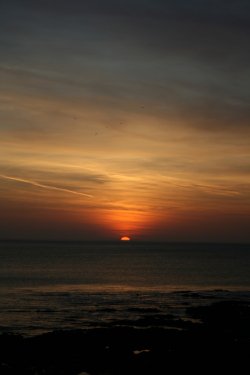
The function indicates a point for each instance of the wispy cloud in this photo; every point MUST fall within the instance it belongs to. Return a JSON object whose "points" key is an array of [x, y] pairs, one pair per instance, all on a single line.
{"points": [[37, 184]]}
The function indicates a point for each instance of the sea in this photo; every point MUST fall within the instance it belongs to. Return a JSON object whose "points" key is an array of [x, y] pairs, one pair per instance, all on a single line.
{"points": [[48, 286]]}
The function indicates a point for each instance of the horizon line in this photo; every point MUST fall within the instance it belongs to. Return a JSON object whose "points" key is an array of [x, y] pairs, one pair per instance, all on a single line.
{"points": [[131, 241]]}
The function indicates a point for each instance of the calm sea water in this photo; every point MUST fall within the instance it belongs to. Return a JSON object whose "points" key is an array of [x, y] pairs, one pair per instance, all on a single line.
{"points": [[46, 286]]}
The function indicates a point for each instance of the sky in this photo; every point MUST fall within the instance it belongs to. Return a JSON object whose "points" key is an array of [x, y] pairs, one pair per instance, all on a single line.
{"points": [[125, 118]]}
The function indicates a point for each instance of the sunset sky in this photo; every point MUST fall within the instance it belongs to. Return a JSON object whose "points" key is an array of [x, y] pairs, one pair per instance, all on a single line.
{"points": [[125, 118]]}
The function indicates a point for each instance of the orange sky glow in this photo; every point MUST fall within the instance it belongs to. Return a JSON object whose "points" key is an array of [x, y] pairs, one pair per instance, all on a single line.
{"points": [[99, 140]]}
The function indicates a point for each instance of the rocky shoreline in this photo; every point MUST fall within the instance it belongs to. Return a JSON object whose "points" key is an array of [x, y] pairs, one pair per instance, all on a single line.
{"points": [[217, 338]]}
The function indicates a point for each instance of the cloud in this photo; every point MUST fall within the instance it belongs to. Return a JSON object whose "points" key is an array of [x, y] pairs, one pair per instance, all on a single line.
{"points": [[184, 60], [144, 103], [37, 184]]}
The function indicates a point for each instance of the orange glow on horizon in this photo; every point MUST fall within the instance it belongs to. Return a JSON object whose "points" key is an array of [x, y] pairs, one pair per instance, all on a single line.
{"points": [[125, 238], [130, 222]]}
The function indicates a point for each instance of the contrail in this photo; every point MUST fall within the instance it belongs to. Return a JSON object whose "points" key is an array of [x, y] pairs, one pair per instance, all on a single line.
{"points": [[34, 183]]}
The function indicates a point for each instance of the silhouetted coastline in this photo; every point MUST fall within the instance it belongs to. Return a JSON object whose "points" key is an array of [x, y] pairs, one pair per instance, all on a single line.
{"points": [[217, 338]]}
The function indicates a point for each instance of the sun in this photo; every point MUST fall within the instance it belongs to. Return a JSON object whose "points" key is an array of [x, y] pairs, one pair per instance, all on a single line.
{"points": [[125, 238]]}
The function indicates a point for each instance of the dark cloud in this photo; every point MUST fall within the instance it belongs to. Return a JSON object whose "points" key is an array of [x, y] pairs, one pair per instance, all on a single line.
{"points": [[188, 58], [204, 26]]}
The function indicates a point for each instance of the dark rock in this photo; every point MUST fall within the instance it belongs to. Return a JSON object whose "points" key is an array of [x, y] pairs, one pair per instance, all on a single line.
{"points": [[219, 343]]}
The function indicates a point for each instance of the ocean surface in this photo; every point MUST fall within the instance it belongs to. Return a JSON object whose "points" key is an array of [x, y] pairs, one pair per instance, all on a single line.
{"points": [[47, 286]]}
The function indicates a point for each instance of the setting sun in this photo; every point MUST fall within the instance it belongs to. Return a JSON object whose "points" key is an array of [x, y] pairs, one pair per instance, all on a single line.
{"points": [[125, 238]]}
